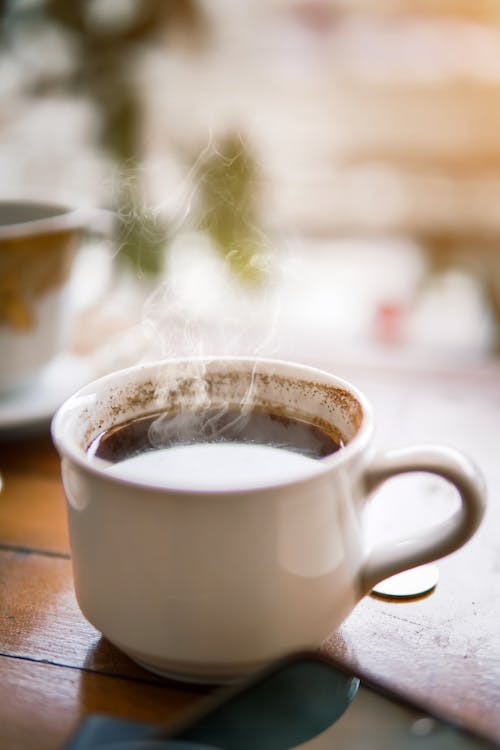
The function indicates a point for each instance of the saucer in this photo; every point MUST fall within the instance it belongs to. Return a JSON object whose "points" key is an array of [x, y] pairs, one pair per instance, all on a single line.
{"points": [[29, 410]]}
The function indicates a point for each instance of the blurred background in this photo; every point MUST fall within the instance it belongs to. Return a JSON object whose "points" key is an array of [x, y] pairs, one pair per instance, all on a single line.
{"points": [[286, 176]]}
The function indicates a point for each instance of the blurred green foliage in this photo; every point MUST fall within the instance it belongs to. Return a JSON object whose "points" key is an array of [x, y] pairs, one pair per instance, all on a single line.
{"points": [[227, 180], [105, 54]]}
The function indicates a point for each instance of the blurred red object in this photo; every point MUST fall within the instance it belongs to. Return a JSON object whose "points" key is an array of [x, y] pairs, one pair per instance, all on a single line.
{"points": [[389, 323]]}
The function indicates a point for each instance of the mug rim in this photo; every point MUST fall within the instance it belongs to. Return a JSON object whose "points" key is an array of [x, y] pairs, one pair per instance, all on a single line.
{"points": [[62, 217], [98, 467]]}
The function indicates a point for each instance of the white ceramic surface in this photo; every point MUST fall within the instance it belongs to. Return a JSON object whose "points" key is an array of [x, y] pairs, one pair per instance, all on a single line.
{"points": [[29, 409], [206, 585], [25, 352], [37, 244]]}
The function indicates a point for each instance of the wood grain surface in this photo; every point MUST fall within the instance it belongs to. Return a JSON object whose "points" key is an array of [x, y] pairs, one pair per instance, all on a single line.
{"points": [[42, 704], [443, 649]]}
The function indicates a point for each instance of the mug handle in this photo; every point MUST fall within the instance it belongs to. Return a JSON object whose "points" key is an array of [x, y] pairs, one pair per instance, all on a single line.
{"points": [[424, 546]]}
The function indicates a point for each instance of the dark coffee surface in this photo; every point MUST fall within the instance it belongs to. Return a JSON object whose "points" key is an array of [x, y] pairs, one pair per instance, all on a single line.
{"points": [[164, 430]]}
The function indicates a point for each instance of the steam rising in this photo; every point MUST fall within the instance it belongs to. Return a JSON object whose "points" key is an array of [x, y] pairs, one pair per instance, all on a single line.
{"points": [[199, 306], [198, 418], [211, 287], [189, 426]]}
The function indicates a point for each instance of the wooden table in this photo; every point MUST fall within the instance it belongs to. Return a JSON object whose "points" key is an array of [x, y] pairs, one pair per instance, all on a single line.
{"points": [[443, 649]]}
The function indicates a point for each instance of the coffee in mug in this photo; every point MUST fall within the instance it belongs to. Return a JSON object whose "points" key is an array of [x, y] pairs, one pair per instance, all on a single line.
{"points": [[229, 447]]}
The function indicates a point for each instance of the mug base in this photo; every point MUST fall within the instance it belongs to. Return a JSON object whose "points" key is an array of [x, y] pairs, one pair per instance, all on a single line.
{"points": [[198, 678], [197, 674]]}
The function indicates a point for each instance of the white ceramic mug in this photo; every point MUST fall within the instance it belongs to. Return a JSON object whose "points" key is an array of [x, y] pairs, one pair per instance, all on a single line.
{"points": [[207, 585], [37, 244]]}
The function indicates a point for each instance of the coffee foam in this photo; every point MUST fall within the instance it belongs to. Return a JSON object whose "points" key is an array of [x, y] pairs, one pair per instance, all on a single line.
{"points": [[216, 466]]}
